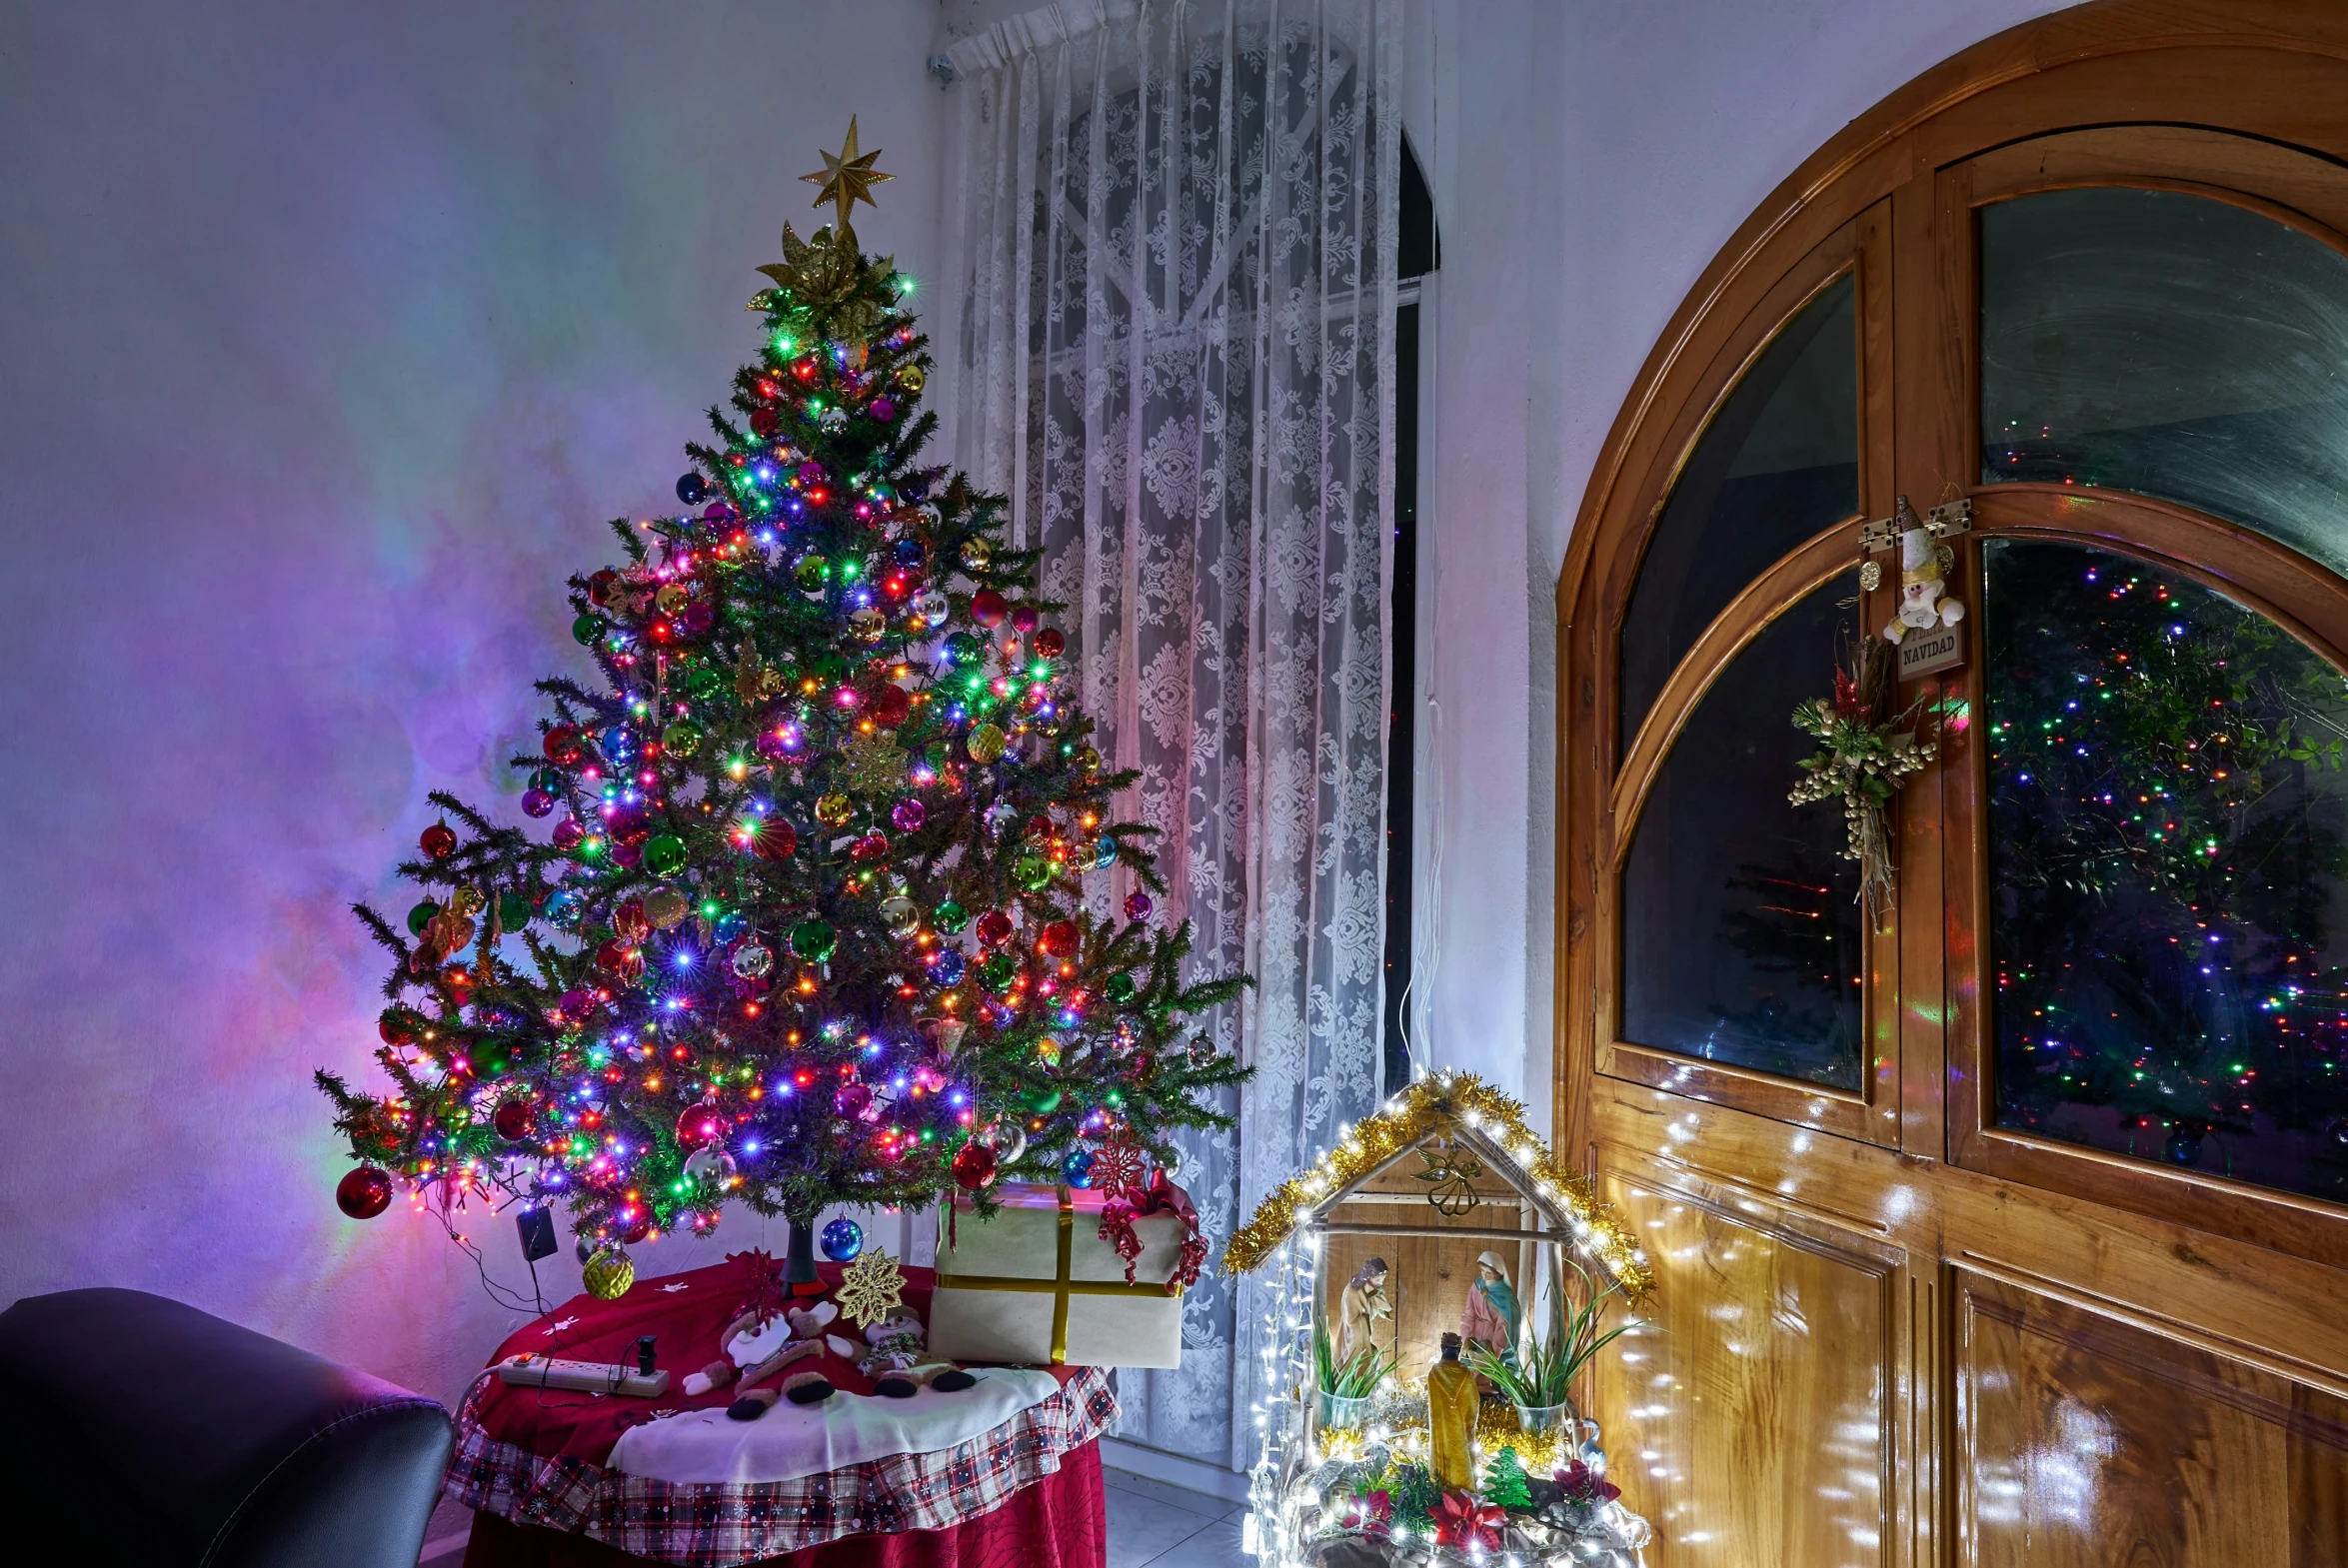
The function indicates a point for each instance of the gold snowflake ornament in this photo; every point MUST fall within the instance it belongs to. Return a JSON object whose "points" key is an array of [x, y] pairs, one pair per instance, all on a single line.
{"points": [[872, 1289], [874, 765]]}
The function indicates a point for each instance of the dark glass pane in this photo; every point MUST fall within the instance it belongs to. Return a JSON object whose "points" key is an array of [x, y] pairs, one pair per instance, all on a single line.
{"points": [[2170, 345], [1741, 939], [2168, 831], [1779, 461]]}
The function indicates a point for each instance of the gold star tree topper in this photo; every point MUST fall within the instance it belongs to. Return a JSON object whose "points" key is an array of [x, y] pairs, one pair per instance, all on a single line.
{"points": [[847, 179]]}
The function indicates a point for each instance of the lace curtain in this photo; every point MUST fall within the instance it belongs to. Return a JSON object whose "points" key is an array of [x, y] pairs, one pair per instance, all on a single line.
{"points": [[1176, 238]]}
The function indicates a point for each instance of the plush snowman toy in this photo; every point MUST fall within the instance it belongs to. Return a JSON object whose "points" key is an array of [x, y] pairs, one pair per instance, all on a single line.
{"points": [[1924, 600]]}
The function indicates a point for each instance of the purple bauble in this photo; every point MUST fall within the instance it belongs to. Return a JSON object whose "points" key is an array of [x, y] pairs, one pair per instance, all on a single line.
{"points": [[1137, 906], [909, 815], [883, 409], [568, 832], [537, 802]]}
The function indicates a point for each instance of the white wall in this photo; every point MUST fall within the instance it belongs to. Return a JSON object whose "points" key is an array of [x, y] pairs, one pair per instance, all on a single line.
{"points": [[1588, 160], [331, 335]]}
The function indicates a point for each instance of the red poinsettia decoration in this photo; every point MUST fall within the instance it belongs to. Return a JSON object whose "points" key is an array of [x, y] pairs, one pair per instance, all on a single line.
{"points": [[1462, 1521], [1847, 703], [1371, 1513], [1581, 1484]]}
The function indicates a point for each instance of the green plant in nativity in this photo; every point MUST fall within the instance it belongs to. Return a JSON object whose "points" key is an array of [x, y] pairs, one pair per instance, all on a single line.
{"points": [[1353, 1377]]}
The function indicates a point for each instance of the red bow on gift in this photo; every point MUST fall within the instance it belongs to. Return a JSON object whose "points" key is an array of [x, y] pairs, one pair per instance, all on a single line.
{"points": [[1462, 1521], [1162, 1197]]}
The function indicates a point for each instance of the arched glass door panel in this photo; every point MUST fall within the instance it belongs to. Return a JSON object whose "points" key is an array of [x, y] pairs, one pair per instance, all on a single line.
{"points": [[1741, 937], [2168, 870], [1778, 462], [2173, 345]]}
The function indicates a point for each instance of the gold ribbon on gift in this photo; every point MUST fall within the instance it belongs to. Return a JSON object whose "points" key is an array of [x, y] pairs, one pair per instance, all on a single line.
{"points": [[1061, 1285]]}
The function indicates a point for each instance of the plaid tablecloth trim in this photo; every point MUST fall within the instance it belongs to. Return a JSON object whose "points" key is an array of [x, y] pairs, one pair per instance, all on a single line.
{"points": [[717, 1526]]}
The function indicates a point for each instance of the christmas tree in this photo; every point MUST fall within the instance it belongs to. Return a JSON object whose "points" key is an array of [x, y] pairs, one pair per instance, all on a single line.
{"points": [[824, 915]]}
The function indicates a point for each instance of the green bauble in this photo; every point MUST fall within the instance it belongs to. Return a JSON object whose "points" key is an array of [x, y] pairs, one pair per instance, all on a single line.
{"points": [[814, 940], [585, 629], [664, 855], [607, 1275], [1032, 871], [492, 1057], [830, 667], [1043, 1102], [421, 917], [1119, 990], [998, 969], [681, 738], [707, 683], [513, 910], [951, 916], [810, 572]]}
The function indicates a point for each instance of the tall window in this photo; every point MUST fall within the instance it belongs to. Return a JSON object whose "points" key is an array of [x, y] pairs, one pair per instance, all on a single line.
{"points": [[1419, 252]]}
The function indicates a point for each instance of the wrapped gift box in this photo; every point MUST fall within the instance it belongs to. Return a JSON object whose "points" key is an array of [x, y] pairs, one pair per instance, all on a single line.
{"points": [[1036, 1285]]}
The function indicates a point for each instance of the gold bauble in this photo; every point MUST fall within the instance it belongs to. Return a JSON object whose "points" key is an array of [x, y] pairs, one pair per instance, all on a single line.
{"points": [[831, 810], [868, 624], [609, 1274], [671, 597], [910, 377], [986, 744], [466, 901], [975, 553], [667, 907]]}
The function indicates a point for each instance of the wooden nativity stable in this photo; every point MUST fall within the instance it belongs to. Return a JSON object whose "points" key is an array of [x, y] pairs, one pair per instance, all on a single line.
{"points": [[1437, 1216]]}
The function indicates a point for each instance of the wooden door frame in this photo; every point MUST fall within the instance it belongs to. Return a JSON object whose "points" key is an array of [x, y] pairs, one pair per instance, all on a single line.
{"points": [[1937, 1223], [2268, 69]]}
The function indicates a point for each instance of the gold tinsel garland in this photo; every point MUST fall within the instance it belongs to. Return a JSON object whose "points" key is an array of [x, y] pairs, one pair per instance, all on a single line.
{"points": [[1431, 1106]]}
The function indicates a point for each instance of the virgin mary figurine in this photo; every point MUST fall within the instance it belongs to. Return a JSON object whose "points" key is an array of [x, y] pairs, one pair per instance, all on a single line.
{"points": [[1490, 1316]]}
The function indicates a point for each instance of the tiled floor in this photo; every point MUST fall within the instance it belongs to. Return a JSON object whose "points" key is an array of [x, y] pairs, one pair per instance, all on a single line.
{"points": [[1154, 1525]]}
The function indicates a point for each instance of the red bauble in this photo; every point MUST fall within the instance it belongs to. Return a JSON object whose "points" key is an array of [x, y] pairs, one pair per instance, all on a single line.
{"points": [[1059, 938], [630, 923], [702, 1124], [514, 1120], [396, 1030], [774, 841], [974, 1166], [995, 928], [891, 707], [988, 608], [562, 746], [870, 847], [568, 833], [437, 840], [364, 1193], [765, 418], [636, 1225], [618, 958], [1049, 643]]}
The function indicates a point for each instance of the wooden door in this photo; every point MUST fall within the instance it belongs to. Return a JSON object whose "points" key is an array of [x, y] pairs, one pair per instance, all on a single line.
{"points": [[2004, 1233]]}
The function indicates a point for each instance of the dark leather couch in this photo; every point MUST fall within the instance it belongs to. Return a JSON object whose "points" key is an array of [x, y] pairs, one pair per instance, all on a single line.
{"points": [[160, 1435]]}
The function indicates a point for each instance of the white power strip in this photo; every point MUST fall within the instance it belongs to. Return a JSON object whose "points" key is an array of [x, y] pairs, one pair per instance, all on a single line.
{"points": [[593, 1377]]}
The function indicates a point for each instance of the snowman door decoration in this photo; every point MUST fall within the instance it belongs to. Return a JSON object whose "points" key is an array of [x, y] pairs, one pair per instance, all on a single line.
{"points": [[1923, 585]]}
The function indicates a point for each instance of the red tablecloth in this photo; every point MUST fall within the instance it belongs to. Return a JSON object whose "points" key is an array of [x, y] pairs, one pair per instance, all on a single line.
{"points": [[536, 1458], [1053, 1523]]}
